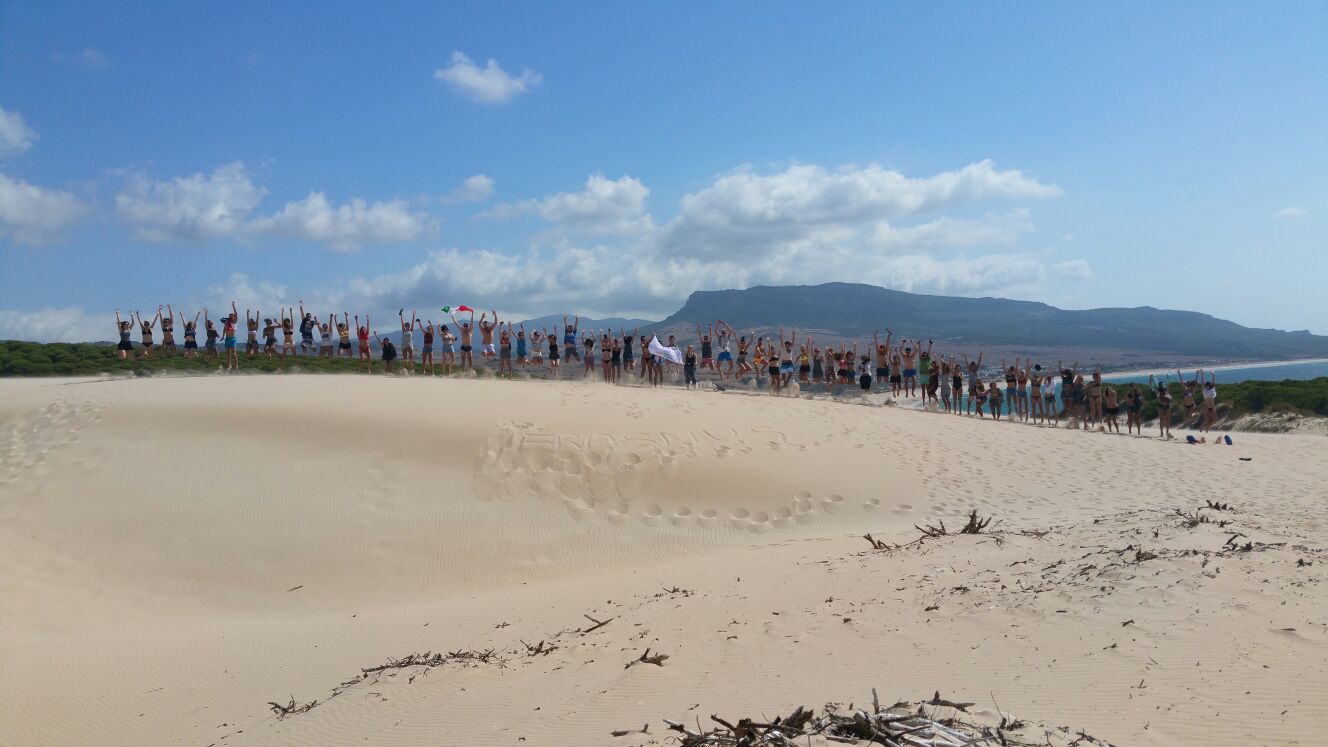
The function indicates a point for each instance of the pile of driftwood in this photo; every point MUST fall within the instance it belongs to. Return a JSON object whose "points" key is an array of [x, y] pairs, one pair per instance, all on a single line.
{"points": [[901, 725]]}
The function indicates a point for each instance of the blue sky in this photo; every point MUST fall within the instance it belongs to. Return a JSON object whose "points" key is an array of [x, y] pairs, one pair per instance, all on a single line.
{"points": [[609, 158]]}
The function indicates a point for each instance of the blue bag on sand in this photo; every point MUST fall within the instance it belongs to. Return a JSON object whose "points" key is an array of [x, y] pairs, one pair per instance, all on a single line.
{"points": [[1191, 440], [1227, 439]]}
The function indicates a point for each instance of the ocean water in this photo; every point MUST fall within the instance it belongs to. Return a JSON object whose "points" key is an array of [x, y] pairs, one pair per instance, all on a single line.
{"points": [[1300, 370]]}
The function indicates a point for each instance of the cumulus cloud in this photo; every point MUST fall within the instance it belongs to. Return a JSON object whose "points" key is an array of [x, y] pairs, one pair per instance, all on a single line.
{"points": [[30, 214], [70, 324], [747, 213], [485, 85], [605, 206], [1074, 269], [200, 207], [344, 228], [1291, 212], [191, 208], [952, 232], [477, 188], [15, 135]]}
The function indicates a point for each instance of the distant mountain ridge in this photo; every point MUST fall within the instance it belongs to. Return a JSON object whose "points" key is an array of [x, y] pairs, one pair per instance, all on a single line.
{"points": [[857, 310]]}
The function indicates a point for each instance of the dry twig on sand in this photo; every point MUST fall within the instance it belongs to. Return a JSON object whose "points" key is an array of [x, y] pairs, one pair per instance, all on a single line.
{"points": [[975, 525], [646, 658]]}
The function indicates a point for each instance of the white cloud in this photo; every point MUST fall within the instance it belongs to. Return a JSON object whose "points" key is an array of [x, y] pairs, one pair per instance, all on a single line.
{"points": [[56, 325], [33, 215], [746, 213], [15, 135], [201, 207], [88, 56], [952, 232], [605, 206], [477, 188], [346, 227], [1291, 212], [486, 85], [191, 208], [1074, 269]]}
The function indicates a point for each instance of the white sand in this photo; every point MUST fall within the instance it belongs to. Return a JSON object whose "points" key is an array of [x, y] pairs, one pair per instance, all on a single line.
{"points": [[150, 530]]}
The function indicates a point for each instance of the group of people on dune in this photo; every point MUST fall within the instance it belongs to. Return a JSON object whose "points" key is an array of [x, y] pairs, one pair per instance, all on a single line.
{"points": [[906, 369]]}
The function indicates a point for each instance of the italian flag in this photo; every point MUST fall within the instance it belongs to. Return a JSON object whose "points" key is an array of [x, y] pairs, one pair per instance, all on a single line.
{"points": [[457, 309]]}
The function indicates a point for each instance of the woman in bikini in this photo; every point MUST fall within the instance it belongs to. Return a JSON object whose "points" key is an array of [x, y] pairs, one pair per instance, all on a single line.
{"points": [[994, 400], [1187, 400], [743, 344], [616, 359], [758, 360], [343, 336], [190, 335], [1134, 409], [1095, 398], [362, 335], [145, 331], [689, 367], [589, 358], [167, 331], [287, 335], [251, 329], [125, 350], [973, 381], [1049, 409], [325, 344], [805, 364], [606, 356]]}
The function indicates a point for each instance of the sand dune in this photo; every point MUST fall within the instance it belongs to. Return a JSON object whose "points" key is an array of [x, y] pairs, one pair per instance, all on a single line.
{"points": [[181, 551]]}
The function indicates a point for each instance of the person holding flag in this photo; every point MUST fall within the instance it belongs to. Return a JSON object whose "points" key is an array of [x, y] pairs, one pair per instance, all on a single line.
{"points": [[467, 331]]}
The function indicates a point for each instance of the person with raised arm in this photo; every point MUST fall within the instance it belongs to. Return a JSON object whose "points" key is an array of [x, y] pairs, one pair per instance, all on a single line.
{"points": [[210, 347], [1188, 394], [1110, 410], [407, 339], [343, 336], [724, 337], [467, 334], [1095, 396], [551, 340], [1021, 386], [229, 332], [389, 351], [707, 351], [606, 355], [1033, 372], [829, 368], [882, 357], [1163, 406], [1010, 378], [924, 364], [973, 381], [956, 386], [269, 337], [994, 400], [167, 331], [251, 330], [570, 339], [1067, 388], [1134, 408], [504, 350], [521, 353], [805, 362], [486, 336], [426, 352], [536, 346], [362, 336], [190, 333], [1209, 402], [628, 354], [325, 336], [287, 335], [1049, 411], [449, 342], [589, 357], [307, 324], [910, 377], [145, 331], [125, 329]]}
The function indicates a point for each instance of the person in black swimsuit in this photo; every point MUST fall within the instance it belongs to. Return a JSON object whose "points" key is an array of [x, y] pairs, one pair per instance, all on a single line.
{"points": [[125, 349]]}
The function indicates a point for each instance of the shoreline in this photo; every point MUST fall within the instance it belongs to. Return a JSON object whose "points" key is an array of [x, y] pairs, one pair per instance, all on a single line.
{"points": [[1218, 368]]}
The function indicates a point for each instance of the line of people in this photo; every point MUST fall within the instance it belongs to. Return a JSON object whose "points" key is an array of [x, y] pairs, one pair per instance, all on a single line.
{"points": [[907, 369]]}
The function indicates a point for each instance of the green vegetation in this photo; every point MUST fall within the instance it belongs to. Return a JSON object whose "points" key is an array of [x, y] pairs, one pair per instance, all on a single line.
{"points": [[90, 359]]}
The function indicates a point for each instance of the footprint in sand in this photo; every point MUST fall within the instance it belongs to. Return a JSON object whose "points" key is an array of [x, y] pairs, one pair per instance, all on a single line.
{"points": [[872, 504], [903, 508], [682, 516], [652, 516], [708, 518], [783, 517], [833, 502]]}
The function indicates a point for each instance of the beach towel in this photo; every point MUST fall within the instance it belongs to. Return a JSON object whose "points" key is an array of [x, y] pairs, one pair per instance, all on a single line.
{"points": [[667, 353]]}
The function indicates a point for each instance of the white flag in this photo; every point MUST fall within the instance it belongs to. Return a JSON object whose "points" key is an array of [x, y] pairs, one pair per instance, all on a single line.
{"points": [[669, 354]]}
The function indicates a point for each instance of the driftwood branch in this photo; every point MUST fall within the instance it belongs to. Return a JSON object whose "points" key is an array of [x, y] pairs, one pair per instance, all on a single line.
{"points": [[647, 658]]}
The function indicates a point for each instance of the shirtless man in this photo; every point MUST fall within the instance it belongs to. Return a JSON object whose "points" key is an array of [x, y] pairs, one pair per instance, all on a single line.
{"points": [[467, 332], [910, 367], [882, 357], [486, 335]]}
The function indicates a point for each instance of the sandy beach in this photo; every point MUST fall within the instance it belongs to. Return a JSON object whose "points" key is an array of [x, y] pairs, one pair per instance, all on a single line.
{"points": [[179, 552]]}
